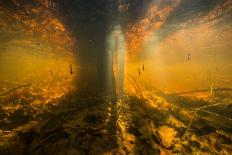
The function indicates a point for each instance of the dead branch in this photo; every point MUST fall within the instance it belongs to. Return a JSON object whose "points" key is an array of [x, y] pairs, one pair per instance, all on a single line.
{"points": [[137, 85], [14, 89], [133, 85], [202, 90]]}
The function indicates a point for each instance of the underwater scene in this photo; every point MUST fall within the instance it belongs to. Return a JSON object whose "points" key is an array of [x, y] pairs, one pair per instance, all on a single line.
{"points": [[115, 77]]}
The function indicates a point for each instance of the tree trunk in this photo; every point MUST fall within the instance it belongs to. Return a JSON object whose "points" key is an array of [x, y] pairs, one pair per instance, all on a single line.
{"points": [[89, 22]]}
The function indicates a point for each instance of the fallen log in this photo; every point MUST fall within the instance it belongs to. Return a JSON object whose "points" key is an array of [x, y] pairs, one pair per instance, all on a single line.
{"points": [[14, 89], [202, 90]]}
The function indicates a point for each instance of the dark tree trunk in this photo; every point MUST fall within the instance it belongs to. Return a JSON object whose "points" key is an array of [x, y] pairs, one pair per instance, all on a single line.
{"points": [[89, 22]]}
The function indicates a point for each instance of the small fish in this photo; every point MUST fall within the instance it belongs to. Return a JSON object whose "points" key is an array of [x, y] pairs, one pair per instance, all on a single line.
{"points": [[51, 72], [143, 67], [139, 71], [70, 67], [189, 56]]}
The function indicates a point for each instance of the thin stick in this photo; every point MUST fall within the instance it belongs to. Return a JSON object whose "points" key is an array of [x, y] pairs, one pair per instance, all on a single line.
{"points": [[14, 89], [140, 91], [136, 85], [203, 90], [190, 122], [133, 85]]}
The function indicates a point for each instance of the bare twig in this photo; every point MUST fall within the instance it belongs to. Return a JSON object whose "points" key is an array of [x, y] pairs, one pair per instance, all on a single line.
{"points": [[14, 89], [133, 85], [137, 85]]}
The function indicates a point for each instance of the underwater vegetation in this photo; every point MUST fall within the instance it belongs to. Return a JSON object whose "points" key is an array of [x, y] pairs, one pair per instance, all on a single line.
{"points": [[118, 77]]}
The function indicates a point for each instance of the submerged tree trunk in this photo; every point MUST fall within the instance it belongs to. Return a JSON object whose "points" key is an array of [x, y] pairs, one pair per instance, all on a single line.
{"points": [[89, 22]]}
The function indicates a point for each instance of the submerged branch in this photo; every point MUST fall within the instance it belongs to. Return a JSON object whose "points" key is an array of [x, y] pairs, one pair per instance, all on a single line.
{"points": [[14, 89], [202, 90], [212, 105], [136, 90], [137, 86], [215, 114]]}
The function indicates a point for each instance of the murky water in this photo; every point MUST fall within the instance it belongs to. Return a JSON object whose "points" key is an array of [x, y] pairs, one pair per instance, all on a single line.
{"points": [[117, 77], [161, 55]]}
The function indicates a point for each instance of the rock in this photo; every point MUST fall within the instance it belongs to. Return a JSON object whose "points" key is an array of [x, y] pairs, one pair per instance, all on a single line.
{"points": [[177, 123], [164, 152], [18, 116], [128, 137], [118, 152], [178, 148], [195, 144], [147, 129], [128, 145], [121, 126], [167, 135], [3, 114], [72, 151], [36, 102], [17, 113]]}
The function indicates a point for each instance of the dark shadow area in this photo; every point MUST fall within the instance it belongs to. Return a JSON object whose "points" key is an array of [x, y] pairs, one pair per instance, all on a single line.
{"points": [[154, 128], [75, 125]]}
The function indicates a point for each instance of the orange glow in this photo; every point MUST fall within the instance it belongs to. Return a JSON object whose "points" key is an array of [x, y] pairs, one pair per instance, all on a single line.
{"points": [[168, 68], [39, 47], [139, 32]]}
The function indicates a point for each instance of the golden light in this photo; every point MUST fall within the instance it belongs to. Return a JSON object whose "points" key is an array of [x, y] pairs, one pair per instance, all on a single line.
{"points": [[37, 49]]}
